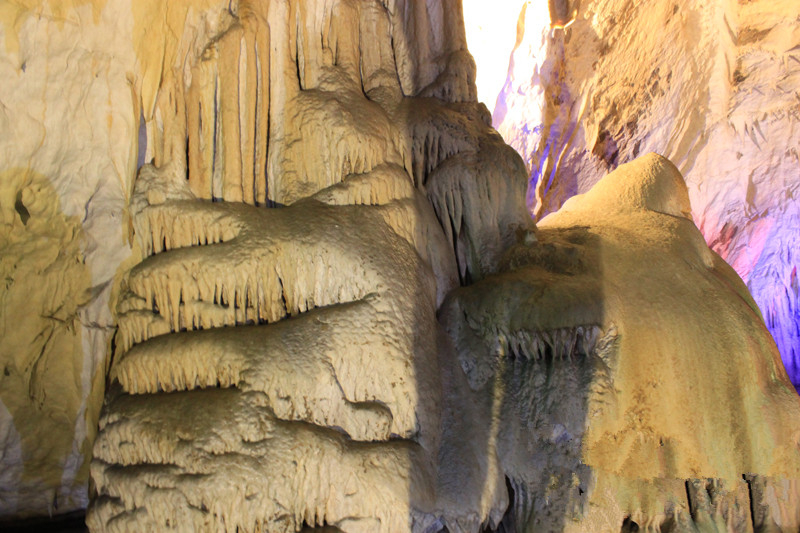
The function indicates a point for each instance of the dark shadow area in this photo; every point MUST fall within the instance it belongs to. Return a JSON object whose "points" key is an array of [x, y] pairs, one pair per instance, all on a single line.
{"points": [[629, 526], [64, 523], [528, 340]]}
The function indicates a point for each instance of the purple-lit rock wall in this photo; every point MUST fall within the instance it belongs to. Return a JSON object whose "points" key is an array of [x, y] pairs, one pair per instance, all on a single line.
{"points": [[713, 86]]}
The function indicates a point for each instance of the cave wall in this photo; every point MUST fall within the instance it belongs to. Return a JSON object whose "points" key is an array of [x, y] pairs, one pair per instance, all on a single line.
{"points": [[713, 86], [92, 90], [68, 155], [213, 90]]}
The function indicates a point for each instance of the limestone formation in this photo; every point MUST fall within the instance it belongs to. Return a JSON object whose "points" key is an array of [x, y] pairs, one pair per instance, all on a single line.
{"points": [[280, 243], [603, 349], [319, 315], [327, 366], [283, 368], [67, 159], [261, 102], [713, 86]]}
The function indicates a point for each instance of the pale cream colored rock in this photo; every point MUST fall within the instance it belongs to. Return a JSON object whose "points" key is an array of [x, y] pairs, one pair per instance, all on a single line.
{"points": [[335, 342], [67, 157], [319, 318], [211, 89], [320, 389], [70, 76], [630, 372], [712, 86]]}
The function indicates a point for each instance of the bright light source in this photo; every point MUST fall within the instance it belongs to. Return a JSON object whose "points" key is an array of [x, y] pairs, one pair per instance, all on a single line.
{"points": [[491, 34], [510, 41]]}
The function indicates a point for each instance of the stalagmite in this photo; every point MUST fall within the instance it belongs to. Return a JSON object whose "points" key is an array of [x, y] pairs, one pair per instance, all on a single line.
{"points": [[711, 85], [599, 439], [283, 248], [264, 102]]}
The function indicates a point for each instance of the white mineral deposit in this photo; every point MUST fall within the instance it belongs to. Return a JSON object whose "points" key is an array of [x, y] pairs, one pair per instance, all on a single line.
{"points": [[267, 266]]}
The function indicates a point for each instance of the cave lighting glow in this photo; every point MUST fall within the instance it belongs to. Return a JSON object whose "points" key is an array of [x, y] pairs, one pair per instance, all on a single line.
{"points": [[499, 54], [768, 266], [490, 38]]}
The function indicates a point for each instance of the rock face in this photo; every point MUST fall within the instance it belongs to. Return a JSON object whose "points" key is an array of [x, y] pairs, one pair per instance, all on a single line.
{"points": [[297, 263], [562, 401], [713, 86], [261, 102], [317, 317], [594, 367], [68, 155]]}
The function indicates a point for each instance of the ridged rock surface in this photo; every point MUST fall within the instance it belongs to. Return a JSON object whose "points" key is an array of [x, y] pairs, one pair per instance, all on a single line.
{"points": [[712, 86], [631, 380], [253, 101], [244, 224]]}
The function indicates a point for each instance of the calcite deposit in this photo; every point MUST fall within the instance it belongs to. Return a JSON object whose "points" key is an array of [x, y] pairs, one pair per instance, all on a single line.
{"points": [[331, 343], [594, 364], [711, 85], [318, 317], [267, 267], [67, 159], [284, 368], [261, 102]]}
